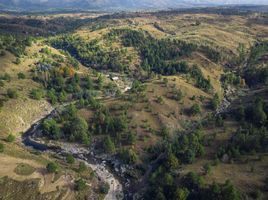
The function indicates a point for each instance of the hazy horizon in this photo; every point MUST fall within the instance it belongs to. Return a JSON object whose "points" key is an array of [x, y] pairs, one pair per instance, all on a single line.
{"points": [[118, 4]]}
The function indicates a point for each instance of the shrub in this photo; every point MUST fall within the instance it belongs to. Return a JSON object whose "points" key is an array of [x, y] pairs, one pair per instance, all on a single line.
{"points": [[104, 188], [37, 94], [17, 61], [1, 148], [2, 83], [182, 193], [207, 168], [160, 100], [51, 95], [70, 159], [21, 75], [215, 102], [6, 77], [1, 103], [80, 184], [257, 194], [12, 93], [52, 167], [10, 138], [82, 167], [108, 145], [129, 156], [195, 109]]}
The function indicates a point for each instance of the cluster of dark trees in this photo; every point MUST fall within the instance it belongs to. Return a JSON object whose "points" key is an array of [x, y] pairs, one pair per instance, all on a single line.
{"points": [[115, 128], [211, 53], [165, 182], [201, 81], [63, 84], [252, 136], [256, 76], [230, 78], [69, 126], [156, 54], [91, 54], [166, 186], [160, 56], [256, 72], [14, 44]]}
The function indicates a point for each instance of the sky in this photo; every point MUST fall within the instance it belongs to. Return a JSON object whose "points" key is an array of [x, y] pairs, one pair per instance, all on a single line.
{"points": [[190, 1]]}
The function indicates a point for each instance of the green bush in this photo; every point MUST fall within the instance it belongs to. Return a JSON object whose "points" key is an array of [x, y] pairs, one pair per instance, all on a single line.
{"points": [[80, 184], [104, 188], [2, 147], [1, 103], [195, 109], [17, 61], [52, 167], [207, 168], [70, 159], [129, 156], [12, 93], [257, 194], [21, 75], [2, 83], [6, 77], [108, 145], [37, 94], [82, 167], [10, 138]]}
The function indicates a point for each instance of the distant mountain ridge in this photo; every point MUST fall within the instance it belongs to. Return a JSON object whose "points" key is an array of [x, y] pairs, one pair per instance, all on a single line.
{"points": [[115, 4]]}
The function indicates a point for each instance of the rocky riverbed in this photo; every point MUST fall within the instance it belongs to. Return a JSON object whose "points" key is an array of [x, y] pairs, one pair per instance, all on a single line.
{"points": [[99, 166]]}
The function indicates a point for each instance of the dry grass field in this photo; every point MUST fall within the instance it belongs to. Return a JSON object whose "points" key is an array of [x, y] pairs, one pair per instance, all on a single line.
{"points": [[147, 113]]}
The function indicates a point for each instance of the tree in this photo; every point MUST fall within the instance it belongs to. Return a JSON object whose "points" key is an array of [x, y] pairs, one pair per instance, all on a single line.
{"points": [[172, 162], [82, 167], [51, 128], [257, 194], [37, 94], [259, 116], [215, 101], [181, 194], [104, 188], [100, 82], [88, 83], [108, 145], [2, 84], [193, 181], [165, 81], [160, 100], [21, 75], [129, 156], [52, 167], [10, 138], [240, 113], [62, 96], [70, 159], [77, 129], [80, 184], [207, 168], [215, 190], [17, 61], [229, 192], [51, 95], [131, 137], [195, 109]]}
